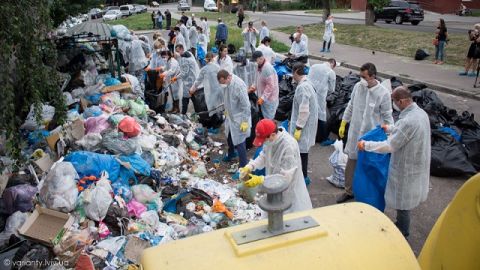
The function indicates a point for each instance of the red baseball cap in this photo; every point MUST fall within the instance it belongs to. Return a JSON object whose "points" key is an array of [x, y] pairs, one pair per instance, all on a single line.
{"points": [[263, 130]]}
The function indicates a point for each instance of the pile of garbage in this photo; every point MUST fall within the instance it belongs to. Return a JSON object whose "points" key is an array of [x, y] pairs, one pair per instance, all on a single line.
{"points": [[455, 137], [115, 179]]}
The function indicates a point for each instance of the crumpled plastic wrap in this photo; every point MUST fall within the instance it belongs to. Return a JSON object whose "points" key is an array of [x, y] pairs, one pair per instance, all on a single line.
{"points": [[46, 115], [59, 191], [97, 200]]}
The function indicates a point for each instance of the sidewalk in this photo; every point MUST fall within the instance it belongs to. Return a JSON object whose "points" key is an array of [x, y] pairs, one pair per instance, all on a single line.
{"points": [[442, 78], [429, 16]]}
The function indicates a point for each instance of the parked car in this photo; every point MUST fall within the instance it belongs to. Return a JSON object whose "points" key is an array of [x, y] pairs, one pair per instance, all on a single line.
{"points": [[400, 12], [95, 13], [112, 15], [154, 4], [107, 9], [140, 9], [183, 6], [127, 10], [210, 6]]}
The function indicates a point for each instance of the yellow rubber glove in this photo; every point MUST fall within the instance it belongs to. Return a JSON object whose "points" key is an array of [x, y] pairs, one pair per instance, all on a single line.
{"points": [[254, 181], [245, 171], [244, 126], [297, 134], [341, 130]]}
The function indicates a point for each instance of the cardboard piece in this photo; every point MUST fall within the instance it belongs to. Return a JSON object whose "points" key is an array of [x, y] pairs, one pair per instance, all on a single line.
{"points": [[52, 140], [123, 87], [46, 226], [44, 163], [134, 248]]}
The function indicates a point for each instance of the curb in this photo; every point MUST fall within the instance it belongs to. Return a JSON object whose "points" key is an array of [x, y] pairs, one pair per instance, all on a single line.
{"points": [[437, 87]]}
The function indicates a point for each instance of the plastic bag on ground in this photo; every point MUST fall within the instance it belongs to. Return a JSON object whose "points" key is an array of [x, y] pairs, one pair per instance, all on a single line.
{"points": [[96, 124], [119, 31], [18, 198], [97, 200], [117, 145], [47, 113], [89, 163], [135, 208], [371, 173], [144, 193], [129, 127], [92, 111], [14, 222], [147, 142], [338, 160], [113, 245], [90, 142], [59, 191]]}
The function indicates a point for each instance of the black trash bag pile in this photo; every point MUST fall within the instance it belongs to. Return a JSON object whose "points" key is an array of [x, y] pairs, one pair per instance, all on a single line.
{"points": [[200, 107], [338, 100], [450, 157], [286, 95]]}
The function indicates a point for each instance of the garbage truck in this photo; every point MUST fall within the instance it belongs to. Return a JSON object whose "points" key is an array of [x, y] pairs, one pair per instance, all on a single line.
{"points": [[345, 236]]}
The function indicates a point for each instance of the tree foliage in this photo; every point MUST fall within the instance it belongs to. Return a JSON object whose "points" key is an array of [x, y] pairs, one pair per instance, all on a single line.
{"points": [[27, 71]]}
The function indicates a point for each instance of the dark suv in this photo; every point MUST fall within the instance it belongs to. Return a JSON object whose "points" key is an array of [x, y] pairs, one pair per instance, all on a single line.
{"points": [[400, 11]]}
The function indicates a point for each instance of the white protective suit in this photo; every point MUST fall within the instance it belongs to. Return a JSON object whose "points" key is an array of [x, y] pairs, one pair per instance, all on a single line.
{"points": [[305, 114], [193, 36], [367, 108], [206, 29], [173, 70], [282, 156], [224, 63], [249, 40], [237, 110], [409, 171], [267, 52], [186, 35], [323, 79], [267, 89], [203, 42], [298, 49], [156, 61], [264, 32], [188, 72], [304, 38], [247, 72], [213, 92], [179, 39], [136, 57], [328, 34]]}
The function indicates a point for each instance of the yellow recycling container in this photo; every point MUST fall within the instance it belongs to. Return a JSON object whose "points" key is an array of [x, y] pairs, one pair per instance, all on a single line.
{"points": [[454, 242], [346, 236]]}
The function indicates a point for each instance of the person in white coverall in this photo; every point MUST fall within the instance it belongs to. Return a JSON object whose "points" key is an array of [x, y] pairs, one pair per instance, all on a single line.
{"points": [[266, 86], [370, 105], [280, 155], [409, 170]]}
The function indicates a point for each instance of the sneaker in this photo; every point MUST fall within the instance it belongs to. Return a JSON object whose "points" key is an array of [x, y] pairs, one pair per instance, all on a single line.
{"points": [[344, 198], [322, 50], [463, 73], [473, 74], [228, 158], [213, 130], [327, 51], [307, 180], [327, 142]]}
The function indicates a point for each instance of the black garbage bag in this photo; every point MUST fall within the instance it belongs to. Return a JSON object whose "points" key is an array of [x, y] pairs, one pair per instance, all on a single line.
{"points": [[256, 117], [231, 49], [421, 54], [290, 62], [200, 107], [416, 87], [470, 131], [449, 157], [154, 97], [285, 102], [115, 217], [438, 114], [395, 82]]}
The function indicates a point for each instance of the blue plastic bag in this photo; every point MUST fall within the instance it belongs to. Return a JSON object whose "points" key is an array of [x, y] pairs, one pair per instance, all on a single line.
{"points": [[452, 132], [37, 136], [201, 55], [371, 172], [92, 111]]}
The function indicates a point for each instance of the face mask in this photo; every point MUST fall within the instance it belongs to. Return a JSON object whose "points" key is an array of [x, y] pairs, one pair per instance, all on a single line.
{"points": [[158, 51], [363, 82], [222, 85], [164, 58], [395, 107]]}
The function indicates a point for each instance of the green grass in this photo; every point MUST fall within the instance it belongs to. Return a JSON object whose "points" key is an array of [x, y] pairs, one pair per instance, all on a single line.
{"points": [[332, 11], [135, 22], [393, 41], [228, 18], [476, 12], [235, 37]]}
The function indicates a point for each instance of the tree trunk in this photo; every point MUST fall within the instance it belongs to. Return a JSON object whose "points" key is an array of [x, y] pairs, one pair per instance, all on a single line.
{"points": [[326, 9], [369, 15]]}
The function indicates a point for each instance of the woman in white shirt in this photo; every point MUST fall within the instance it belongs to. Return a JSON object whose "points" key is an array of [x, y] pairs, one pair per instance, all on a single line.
{"points": [[223, 59]]}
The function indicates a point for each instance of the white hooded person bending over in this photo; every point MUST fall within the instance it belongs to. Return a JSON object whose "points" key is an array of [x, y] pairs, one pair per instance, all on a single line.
{"points": [[409, 170], [280, 155]]}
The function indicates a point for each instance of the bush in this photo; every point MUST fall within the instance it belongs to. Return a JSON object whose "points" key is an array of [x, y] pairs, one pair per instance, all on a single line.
{"points": [[276, 6]]}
